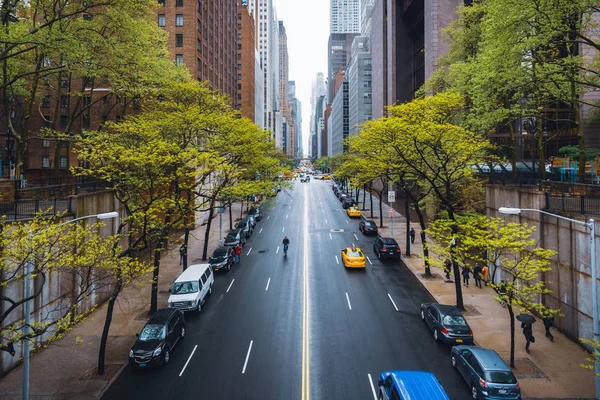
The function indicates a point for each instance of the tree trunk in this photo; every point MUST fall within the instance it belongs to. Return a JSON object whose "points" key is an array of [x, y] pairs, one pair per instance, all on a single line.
{"points": [[207, 231], [380, 194], [107, 322], [230, 216], [512, 333], [513, 150], [457, 279], [186, 239], [364, 197], [423, 237], [155, 273], [371, 196]]}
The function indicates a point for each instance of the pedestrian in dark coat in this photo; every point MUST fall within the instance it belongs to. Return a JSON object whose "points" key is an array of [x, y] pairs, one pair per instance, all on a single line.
{"points": [[548, 323], [465, 274], [528, 333], [477, 275], [412, 235], [181, 253], [447, 268]]}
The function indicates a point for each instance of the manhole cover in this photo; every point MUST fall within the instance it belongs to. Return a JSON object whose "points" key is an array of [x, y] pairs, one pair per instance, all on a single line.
{"points": [[336, 230], [262, 251]]}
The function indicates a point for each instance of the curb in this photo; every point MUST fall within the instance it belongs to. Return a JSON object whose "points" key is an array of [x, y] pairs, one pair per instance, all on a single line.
{"points": [[112, 380]]}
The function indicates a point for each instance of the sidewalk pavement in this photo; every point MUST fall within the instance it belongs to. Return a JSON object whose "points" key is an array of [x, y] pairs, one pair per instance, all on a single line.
{"points": [[552, 369], [66, 369]]}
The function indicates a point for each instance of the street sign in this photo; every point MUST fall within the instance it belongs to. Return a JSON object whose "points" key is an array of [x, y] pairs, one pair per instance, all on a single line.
{"points": [[391, 212], [391, 196]]}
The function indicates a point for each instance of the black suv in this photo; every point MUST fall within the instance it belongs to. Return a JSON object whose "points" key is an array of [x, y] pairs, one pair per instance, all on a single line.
{"points": [[245, 225], [386, 248], [348, 202], [256, 212], [156, 341], [235, 237], [367, 226], [222, 258]]}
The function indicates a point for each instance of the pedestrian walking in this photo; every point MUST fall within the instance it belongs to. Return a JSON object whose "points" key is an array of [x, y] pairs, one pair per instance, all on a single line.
{"points": [[477, 275], [412, 235], [465, 274], [528, 333], [484, 274], [447, 268], [238, 251], [181, 253], [548, 323]]}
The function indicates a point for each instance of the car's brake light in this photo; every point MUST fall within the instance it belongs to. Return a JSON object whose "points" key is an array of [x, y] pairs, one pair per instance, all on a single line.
{"points": [[470, 333], [482, 383], [444, 331], [517, 385], [383, 249]]}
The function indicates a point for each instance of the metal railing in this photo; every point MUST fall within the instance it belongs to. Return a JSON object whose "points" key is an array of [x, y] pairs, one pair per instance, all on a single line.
{"points": [[573, 204], [27, 209]]}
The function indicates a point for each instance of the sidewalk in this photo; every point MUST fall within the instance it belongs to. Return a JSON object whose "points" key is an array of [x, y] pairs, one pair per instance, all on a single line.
{"points": [[550, 371], [66, 369]]}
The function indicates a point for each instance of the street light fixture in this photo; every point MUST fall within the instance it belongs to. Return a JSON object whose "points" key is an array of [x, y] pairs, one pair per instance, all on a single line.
{"points": [[28, 265], [590, 224]]}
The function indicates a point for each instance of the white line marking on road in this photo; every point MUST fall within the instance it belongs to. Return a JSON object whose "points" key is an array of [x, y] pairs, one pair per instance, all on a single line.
{"points": [[372, 386], [355, 236], [277, 251], [348, 298], [268, 216], [323, 210], [286, 216], [347, 222], [247, 357], [260, 230], [289, 207], [392, 300], [249, 251], [325, 221], [330, 236], [283, 229], [369, 260], [188, 360], [229, 286], [336, 260], [269, 281]]}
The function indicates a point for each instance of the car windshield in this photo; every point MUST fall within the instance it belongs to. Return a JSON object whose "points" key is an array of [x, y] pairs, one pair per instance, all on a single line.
{"points": [[152, 332], [505, 377], [454, 320], [185, 287], [354, 253]]}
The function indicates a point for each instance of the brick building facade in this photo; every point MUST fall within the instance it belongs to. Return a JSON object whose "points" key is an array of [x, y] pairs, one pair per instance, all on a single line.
{"points": [[246, 63]]}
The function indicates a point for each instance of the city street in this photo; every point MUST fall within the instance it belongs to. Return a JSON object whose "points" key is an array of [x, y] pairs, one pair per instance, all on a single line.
{"points": [[260, 337]]}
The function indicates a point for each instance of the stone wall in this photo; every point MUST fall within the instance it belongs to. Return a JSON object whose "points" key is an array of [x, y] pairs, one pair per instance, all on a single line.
{"points": [[570, 276]]}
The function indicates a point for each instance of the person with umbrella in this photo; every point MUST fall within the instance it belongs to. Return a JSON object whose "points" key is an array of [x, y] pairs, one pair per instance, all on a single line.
{"points": [[526, 323]]}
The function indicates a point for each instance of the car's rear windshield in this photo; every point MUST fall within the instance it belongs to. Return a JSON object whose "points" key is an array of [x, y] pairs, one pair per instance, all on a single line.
{"points": [[355, 254], [454, 320], [505, 377], [369, 223]]}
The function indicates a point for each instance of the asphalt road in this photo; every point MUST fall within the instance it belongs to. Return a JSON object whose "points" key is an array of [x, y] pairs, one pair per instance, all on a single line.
{"points": [[260, 337]]}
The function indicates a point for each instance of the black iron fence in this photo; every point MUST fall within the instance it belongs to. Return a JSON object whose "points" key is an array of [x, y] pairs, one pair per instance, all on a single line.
{"points": [[27, 209], [573, 204], [59, 191]]}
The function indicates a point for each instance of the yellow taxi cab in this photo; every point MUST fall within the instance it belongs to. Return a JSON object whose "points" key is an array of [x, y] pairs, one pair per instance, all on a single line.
{"points": [[353, 257], [353, 211], [327, 177]]}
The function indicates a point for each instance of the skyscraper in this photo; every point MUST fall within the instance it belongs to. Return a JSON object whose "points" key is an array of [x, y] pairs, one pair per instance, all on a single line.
{"points": [[345, 16], [246, 63], [284, 108]]}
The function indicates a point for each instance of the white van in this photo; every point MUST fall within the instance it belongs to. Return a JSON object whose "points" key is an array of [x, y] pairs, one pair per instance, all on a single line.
{"points": [[191, 288]]}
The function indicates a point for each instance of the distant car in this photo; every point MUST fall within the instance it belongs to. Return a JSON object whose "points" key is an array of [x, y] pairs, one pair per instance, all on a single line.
{"points": [[485, 372], [353, 257], [234, 238], [252, 219], [386, 248], [410, 385], [245, 225], [157, 339], [327, 178], [367, 226], [353, 212], [447, 323], [222, 258], [256, 212], [348, 202]]}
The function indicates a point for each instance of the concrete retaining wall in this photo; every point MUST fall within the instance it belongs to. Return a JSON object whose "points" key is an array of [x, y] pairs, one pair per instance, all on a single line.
{"points": [[570, 277]]}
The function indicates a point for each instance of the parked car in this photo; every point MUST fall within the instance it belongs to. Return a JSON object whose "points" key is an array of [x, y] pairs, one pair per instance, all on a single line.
{"points": [[447, 323], [413, 385], [234, 238], [192, 287], [245, 226], [157, 339], [348, 202], [256, 213], [386, 248], [252, 220], [341, 195], [485, 372], [222, 258], [367, 226]]}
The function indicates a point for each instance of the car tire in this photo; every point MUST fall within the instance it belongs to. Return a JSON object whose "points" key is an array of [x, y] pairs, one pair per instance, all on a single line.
{"points": [[474, 394], [182, 333], [453, 361], [166, 355], [423, 315], [380, 397], [436, 335], [210, 290], [379, 255]]}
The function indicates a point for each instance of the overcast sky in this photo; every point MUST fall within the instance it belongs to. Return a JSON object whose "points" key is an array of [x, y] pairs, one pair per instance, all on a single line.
{"points": [[307, 26]]}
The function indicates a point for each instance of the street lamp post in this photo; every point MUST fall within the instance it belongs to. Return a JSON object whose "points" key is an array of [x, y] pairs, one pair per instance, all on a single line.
{"points": [[28, 288], [221, 223], [590, 224]]}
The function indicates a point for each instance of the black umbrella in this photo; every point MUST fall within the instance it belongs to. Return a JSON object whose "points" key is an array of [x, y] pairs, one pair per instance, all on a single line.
{"points": [[526, 318]]}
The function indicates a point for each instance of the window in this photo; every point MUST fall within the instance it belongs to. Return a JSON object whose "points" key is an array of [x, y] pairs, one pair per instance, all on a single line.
{"points": [[239, 56], [239, 36], [86, 120], [45, 162], [161, 2], [179, 59], [239, 97], [179, 20], [46, 102], [198, 25], [64, 101], [45, 143], [46, 61], [162, 20], [64, 121], [239, 77], [198, 44], [178, 3], [239, 86], [87, 17], [239, 46], [239, 67], [87, 101], [198, 64], [64, 83], [179, 40]]}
